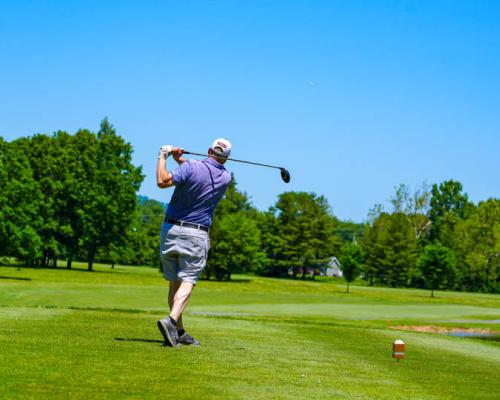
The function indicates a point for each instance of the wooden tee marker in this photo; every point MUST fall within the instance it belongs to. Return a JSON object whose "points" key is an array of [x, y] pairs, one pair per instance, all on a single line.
{"points": [[398, 349]]}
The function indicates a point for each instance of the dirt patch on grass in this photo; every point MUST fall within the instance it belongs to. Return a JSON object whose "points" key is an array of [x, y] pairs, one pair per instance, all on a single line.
{"points": [[444, 330]]}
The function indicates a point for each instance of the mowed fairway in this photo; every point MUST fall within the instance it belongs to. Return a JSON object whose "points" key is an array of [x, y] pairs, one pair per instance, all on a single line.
{"points": [[74, 334]]}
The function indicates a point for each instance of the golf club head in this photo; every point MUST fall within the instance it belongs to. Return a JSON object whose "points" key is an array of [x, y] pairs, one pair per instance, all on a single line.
{"points": [[285, 175]]}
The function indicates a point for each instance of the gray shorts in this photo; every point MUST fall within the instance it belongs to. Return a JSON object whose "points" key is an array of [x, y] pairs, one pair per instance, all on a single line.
{"points": [[183, 252]]}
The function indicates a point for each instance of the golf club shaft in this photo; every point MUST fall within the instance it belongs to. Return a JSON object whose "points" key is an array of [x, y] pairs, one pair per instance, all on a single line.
{"points": [[233, 159]]}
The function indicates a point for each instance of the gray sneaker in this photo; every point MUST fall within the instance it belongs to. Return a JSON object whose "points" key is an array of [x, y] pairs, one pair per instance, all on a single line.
{"points": [[187, 339], [169, 332]]}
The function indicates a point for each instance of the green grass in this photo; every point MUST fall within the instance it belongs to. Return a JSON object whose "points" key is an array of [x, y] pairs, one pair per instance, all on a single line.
{"points": [[74, 334]]}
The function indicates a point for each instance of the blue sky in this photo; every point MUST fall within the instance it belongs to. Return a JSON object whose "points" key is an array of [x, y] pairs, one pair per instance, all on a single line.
{"points": [[353, 97]]}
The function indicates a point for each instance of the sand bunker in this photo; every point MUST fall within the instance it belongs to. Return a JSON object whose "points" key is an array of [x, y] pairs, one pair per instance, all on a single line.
{"points": [[445, 330]]}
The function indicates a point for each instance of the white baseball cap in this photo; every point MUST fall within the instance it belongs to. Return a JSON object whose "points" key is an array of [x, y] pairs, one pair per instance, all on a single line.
{"points": [[221, 147]]}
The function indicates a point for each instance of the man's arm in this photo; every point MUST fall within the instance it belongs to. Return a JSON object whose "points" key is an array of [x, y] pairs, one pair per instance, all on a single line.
{"points": [[164, 178]]}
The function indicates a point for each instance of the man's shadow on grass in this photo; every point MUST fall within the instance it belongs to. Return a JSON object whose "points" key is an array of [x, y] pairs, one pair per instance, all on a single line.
{"points": [[15, 278], [232, 280], [79, 268], [157, 341], [139, 340]]}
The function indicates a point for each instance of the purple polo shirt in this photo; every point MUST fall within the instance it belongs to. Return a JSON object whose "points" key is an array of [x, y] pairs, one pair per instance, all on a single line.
{"points": [[199, 186]]}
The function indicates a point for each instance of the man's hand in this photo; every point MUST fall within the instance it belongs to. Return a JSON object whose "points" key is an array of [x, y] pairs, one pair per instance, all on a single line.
{"points": [[177, 153], [165, 151]]}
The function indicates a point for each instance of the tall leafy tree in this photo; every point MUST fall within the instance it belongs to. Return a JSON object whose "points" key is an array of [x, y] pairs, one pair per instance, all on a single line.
{"points": [[238, 246], [151, 214], [437, 266], [20, 203], [4, 179], [305, 224], [43, 156], [449, 205], [111, 200], [76, 161], [81, 186], [141, 243], [416, 205], [374, 248], [272, 243], [390, 246]]}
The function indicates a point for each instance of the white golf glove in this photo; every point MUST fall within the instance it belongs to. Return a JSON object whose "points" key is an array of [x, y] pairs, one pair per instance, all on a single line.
{"points": [[165, 150]]}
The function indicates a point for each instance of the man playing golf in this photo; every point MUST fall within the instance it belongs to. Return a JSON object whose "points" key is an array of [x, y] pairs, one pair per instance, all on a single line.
{"points": [[199, 186]]}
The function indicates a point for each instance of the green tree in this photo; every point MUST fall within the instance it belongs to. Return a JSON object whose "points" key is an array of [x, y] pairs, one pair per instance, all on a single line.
{"points": [[51, 159], [416, 205], [4, 181], [390, 246], [374, 249], [63, 174], [272, 244], [151, 213], [437, 266], [141, 243], [305, 225], [38, 153], [111, 199], [351, 260], [449, 205], [20, 202], [477, 243], [73, 170], [237, 247]]}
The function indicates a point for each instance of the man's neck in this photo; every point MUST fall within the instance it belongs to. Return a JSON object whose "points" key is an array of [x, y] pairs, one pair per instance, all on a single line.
{"points": [[218, 160]]}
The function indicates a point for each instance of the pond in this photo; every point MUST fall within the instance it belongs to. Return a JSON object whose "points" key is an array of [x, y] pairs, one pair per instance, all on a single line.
{"points": [[477, 335]]}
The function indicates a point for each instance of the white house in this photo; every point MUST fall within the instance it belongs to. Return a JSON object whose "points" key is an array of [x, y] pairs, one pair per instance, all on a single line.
{"points": [[333, 268]]}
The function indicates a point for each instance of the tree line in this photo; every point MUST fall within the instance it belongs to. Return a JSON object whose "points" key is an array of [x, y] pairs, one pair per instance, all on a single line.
{"points": [[70, 197], [73, 197], [433, 237]]}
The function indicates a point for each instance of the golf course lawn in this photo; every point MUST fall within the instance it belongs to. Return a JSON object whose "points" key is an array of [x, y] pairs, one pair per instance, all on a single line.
{"points": [[75, 334]]}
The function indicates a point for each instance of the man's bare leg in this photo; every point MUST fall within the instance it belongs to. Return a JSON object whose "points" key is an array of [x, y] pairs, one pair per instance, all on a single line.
{"points": [[179, 294], [174, 286]]}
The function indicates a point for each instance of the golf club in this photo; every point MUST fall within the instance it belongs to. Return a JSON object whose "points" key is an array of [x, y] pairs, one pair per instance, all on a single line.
{"points": [[285, 175]]}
